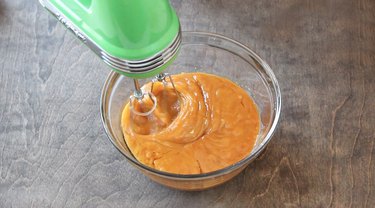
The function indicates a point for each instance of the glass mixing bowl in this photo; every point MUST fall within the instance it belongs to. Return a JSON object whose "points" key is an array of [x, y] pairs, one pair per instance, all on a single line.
{"points": [[209, 53]]}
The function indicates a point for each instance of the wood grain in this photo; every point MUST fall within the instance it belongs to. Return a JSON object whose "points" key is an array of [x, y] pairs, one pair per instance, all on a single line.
{"points": [[54, 152]]}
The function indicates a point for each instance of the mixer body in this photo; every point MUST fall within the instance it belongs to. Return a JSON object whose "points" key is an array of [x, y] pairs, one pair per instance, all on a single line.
{"points": [[137, 38]]}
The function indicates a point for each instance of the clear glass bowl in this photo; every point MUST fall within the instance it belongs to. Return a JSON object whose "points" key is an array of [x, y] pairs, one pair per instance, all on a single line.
{"points": [[209, 53]]}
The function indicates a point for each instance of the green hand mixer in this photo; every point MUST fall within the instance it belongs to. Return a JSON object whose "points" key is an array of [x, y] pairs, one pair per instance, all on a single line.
{"points": [[136, 38]]}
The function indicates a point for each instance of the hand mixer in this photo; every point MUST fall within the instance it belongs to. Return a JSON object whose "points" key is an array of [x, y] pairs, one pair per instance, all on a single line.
{"points": [[136, 38]]}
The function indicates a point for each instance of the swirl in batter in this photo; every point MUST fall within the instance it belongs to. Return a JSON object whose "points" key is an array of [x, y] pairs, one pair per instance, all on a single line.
{"points": [[212, 124]]}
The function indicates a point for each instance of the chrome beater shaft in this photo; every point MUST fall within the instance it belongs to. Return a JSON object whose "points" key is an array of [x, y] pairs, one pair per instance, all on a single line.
{"points": [[139, 95], [162, 78]]}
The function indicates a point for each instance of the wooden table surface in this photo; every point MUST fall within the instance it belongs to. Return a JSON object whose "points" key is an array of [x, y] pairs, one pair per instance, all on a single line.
{"points": [[54, 152]]}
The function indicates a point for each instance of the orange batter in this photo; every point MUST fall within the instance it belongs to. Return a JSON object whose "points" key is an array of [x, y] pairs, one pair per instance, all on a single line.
{"points": [[213, 125]]}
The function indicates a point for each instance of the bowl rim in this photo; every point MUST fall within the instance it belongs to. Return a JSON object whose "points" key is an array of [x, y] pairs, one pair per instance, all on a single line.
{"points": [[254, 153]]}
